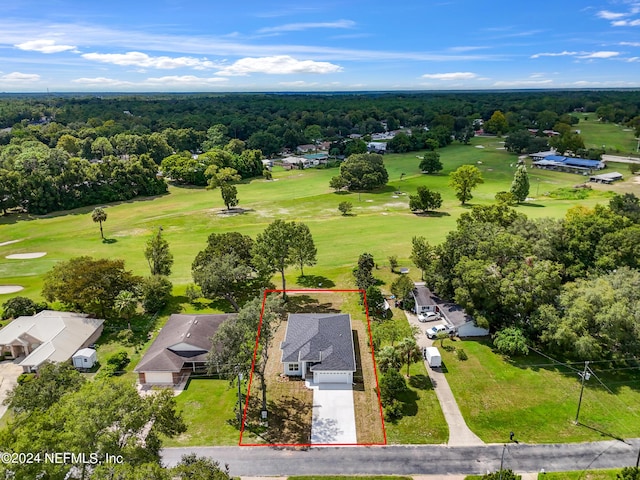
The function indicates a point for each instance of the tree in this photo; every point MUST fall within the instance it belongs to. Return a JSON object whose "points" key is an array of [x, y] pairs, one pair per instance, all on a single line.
{"points": [[422, 254], [87, 284], [338, 183], [224, 276], [430, 162], [392, 384], [98, 216], [192, 467], [155, 292], [393, 263], [409, 352], [518, 141], [229, 195], [303, 249], [44, 390], [425, 200], [375, 302], [388, 358], [345, 207], [21, 306], [511, 341], [402, 287], [629, 473], [520, 184], [465, 179], [364, 171], [125, 304], [235, 340], [505, 198], [627, 205], [496, 124], [216, 137], [272, 248], [363, 272], [158, 255]]}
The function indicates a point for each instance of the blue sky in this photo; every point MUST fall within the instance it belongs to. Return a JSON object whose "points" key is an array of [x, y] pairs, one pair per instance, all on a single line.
{"points": [[199, 45]]}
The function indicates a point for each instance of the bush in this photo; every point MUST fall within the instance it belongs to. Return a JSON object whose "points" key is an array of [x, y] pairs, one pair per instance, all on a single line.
{"points": [[634, 168], [506, 198], [393, 410], [126, 336], [511, 341], [119, 360], [25, 377], [345, 207], [461, 354], [193, 293], [503, 475]]}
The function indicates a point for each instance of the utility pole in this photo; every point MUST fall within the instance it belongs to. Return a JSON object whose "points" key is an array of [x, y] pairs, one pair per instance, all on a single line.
{"points": [[504, 447], [585, 376], [239, 400]]}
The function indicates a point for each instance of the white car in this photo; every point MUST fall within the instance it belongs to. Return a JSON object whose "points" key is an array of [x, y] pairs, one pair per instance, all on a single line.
{"points": [[428, 316], [436, 329]]}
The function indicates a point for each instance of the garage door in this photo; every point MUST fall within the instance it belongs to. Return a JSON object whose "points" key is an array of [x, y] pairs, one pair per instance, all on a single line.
{"points": [[332, 377], [158, 377]]}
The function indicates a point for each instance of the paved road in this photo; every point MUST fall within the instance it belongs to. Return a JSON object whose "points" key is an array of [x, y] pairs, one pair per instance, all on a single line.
{"points": [[619, 159], [414, 460], [459, 433]]}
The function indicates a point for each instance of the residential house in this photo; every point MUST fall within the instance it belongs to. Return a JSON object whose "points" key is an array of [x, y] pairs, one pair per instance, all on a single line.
{"points": [[425, 300], [319, 346], [48, 336], [180, 348]]}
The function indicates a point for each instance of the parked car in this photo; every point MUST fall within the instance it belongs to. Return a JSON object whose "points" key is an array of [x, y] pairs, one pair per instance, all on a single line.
{"points": [[433, 331], [428, 316]]}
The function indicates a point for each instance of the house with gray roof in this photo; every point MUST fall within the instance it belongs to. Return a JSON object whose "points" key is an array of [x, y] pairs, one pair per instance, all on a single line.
{"points": [[48, 336], [180, 349], [320, 346]]}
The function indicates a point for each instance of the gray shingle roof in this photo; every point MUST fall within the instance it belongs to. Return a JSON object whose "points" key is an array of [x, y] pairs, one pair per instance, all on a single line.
{"points": [[323, 338], [184, 338], [424, 296]]}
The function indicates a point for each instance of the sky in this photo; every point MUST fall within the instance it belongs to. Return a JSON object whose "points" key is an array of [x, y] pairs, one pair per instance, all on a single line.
{"points": [[328, 45]]}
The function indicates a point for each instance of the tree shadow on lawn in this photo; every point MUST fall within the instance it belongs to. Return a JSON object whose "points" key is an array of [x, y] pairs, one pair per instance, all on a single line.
{"points": [[287, 420], [307, 304], [434, 214], [315, 281]]}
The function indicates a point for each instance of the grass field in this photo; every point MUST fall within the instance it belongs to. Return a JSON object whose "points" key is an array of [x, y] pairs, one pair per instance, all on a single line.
{"points": [[538, 400], [617, 139], [382, 224]]}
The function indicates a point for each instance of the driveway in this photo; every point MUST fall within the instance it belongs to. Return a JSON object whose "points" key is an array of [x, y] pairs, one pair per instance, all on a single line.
{"points": [[334, 419], [9, 373]]}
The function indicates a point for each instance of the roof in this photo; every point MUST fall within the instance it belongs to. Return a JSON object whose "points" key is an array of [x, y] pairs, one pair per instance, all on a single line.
{"points": [[292, 160], [574, 161], [85, 352], [319, 337], [184, 338], [424, 296], [60, 335], [607, 177]]}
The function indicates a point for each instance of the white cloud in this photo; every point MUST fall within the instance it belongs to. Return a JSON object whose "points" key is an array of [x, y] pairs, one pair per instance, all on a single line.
{"points": [[450, 76], [607, 15], [602, 54], [560, 54], [626, 23], [20, 77], [44, 46], [630, 44], [298, 84], [139, 59], [183, 80], [633, 59], [297, 27], [522, 83], [277, 65]]}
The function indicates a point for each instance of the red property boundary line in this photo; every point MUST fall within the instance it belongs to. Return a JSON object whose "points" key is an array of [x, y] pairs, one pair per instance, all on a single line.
{"points": [[253, 363]]}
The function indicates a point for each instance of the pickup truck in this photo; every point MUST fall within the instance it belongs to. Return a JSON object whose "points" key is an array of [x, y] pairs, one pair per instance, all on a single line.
{"points": [[436, 329]]}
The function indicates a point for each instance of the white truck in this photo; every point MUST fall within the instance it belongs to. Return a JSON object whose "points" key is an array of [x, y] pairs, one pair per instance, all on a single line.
{"points": [[432, 356]]}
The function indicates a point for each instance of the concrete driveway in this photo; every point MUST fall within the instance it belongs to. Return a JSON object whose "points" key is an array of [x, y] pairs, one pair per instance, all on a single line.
{"points": [[334, 419], [9, 373]]}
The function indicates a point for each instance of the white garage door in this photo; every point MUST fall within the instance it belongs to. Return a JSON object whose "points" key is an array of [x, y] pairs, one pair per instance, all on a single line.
{"points": [[158, 377], [332, 377]]}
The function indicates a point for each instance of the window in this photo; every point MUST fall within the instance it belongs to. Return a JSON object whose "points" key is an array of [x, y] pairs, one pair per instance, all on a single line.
{"points": [[294, 367]]}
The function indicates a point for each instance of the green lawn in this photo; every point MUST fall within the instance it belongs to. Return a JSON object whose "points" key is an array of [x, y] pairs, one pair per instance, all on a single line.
{"points": [[207, 407], [581, 475], [617, 139], [347, 477], [538, 401]]}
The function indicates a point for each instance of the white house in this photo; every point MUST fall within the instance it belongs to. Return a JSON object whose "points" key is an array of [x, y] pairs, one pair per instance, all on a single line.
{"points": [[319, 346], [425, 300], [48, 336], [84, 358]]}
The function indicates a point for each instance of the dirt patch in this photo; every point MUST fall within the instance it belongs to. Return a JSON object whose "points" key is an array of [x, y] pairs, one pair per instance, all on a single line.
{"points": [[25, 256], [132, 233], [6, 289]]}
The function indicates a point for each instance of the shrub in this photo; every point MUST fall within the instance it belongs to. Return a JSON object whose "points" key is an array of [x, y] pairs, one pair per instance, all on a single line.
{"points": [[511, 341], [25, 377], [505, 198], [119, 360], [126, 336], [461, 354], [156, 291], [392, 383], [193, 293], [21, 306], [345, 207], [393, 410], [503, 475]]}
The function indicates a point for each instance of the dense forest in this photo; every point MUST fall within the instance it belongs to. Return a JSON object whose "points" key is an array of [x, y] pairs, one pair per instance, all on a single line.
{"points": [[62, 152]]}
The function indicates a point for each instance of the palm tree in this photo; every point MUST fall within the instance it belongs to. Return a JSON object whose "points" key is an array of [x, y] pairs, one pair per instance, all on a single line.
{"points": [[99, 215], [409, 351], [126, 303]]}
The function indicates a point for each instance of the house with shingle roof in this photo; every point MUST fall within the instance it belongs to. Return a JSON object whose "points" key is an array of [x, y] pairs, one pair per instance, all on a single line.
{"points": [[320, 346], [180, 349], [48, 336]]}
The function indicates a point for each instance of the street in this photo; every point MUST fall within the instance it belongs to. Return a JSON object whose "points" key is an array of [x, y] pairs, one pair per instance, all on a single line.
{"points": [[415, 459]]}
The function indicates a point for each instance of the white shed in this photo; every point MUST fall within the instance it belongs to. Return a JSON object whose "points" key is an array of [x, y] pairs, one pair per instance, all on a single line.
{"points": [[84, 358]]}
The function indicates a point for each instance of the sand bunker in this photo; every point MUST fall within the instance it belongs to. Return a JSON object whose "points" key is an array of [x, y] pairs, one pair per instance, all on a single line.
{"points": [[479, 146], [4, 289], [2, 244], [24, 256]]}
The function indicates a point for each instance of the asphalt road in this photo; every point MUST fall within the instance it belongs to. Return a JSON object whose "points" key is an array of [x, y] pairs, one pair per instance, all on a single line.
{"points": [[415, 460]]}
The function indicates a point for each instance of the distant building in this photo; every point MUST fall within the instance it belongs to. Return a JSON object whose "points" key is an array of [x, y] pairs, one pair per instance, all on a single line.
{"points": [[606, 177], [569, 164]]}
